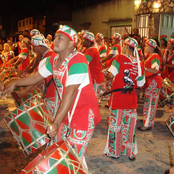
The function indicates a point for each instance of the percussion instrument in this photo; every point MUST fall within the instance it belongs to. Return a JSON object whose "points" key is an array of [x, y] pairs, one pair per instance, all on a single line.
{"points": [[28, 124], [170, 124], [60, 158], [31, 95], [166, 92]]}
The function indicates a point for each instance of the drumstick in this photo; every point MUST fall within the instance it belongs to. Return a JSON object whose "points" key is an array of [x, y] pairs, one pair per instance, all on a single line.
{"points": [[48, 144]]}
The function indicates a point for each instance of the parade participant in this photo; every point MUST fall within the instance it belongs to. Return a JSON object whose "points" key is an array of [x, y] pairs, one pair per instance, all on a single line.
{"points": [[50, 43], [93, 57], [169, 69], [7, 55], [136, 35], [23, 58], [71, 75], [80, 47], [163, 43], [34, 32], [128, 73], [50, 93], [153, 67], [10, 45], [115, 50], [155, 37], [99, 38], [17, 45], [106, 45], [26, 33]]}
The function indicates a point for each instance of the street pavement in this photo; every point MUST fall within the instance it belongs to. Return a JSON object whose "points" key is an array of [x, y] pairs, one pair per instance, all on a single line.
{"points": [[155, 147]]}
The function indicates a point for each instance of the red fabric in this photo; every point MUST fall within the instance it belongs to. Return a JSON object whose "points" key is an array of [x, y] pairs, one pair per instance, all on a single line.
{"points": [[149, 76], [128, 100], [169, 72], [95, 65], [87, 99], [25, 63], [19, 48], [109, 62]]}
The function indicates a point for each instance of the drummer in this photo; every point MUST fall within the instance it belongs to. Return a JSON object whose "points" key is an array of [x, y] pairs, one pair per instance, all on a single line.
{"points": [[127, 73], [169, 68], [153, 66], [50, 94], [71, 75]]}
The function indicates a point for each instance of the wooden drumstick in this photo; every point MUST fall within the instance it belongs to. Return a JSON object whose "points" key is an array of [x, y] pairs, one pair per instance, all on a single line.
{"points": [[48, 143]]}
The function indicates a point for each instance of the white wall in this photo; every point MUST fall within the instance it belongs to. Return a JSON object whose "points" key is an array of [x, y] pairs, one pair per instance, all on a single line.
{"points": [[102, 13]]}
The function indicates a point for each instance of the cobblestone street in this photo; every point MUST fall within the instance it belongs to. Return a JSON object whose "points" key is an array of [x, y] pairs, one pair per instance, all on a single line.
{"points": [[155, 147]]}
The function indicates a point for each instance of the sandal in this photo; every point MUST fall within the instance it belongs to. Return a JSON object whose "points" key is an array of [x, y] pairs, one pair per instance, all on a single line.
{"points": [[141, 128]]}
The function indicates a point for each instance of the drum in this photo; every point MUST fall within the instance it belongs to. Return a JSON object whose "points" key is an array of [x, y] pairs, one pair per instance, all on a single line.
{"points": [[170, 124], [28, 124], [31, 95], [35, 93], [166, 93], [60, 158], [7, 75]]}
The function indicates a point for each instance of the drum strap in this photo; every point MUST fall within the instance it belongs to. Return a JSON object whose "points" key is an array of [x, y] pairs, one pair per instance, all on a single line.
{"points": [[72, 112], [124, 91], [47, 85]]}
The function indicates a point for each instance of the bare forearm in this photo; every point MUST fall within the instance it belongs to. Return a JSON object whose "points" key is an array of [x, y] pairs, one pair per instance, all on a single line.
{"points": [[65, 106], [154, 70], [29, 80], [170, 66], [106, 58]]}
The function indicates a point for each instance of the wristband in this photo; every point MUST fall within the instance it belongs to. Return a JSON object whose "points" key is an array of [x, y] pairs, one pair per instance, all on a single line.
{"points": [[145, 69]]}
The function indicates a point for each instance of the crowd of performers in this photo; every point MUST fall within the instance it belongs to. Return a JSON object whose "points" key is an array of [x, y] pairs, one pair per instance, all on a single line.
{"points": [[78, 69]]}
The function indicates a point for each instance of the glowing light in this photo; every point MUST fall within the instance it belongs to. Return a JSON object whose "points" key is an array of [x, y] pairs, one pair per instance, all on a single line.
{"points": [[137, 2], [157, 4]]}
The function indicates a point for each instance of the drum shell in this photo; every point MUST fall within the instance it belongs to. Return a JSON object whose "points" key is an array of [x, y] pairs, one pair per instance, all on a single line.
{"points": [[28, 125], [60, 158], [170, 124]]}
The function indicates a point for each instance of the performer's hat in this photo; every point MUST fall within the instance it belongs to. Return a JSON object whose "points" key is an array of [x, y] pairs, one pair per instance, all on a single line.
{"points": [[151, 43], [125, 36], [6, 45], [49, 36], [163, 37], [100, 36], [34, 32], [171, 40], [89, 36], [21, 36], [117, 36], [172, 35], [69, 32], [38, 40], [131, 42]]}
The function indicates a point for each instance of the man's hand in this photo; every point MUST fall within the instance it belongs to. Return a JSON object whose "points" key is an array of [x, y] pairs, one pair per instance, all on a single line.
{"points": [[9, 89], [52, 130]]}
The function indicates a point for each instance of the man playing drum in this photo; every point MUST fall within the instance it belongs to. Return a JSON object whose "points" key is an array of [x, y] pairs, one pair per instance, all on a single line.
{"points": [[72, 77]]}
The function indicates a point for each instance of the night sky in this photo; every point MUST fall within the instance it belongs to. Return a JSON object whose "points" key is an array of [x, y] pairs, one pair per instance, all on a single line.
{"points": [[34, 7]]}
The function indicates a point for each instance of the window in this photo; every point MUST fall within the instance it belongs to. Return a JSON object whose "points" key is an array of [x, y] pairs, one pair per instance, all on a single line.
{"points": [[23, 23], [167, 21], [162, 21], [19, 24], [143, 25], [27, 22], [171, 22], [121, 30]]}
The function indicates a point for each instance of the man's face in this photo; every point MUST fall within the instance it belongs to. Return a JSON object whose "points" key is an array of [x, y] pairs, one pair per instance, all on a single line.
{"points": [[98, 40], [169, 45], [61, 43], [85, 42]]}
